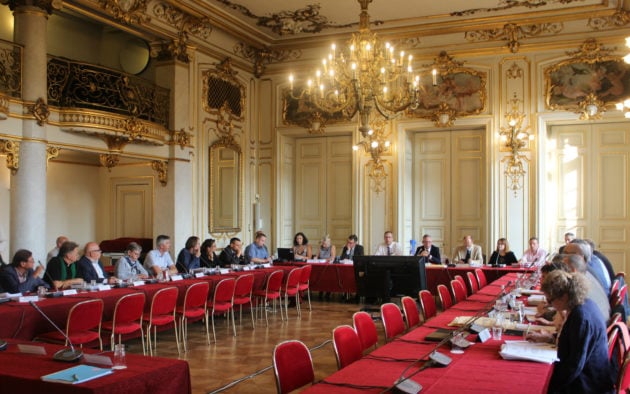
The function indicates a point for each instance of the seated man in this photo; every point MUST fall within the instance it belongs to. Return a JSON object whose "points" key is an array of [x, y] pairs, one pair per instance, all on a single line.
{"points": [[90, 266], [468, 253], [188, 258], [352, 248], [256, 252], [62, 272], [389, 247], [231, 254], [158, 260], [52, 253], [430, 252], [128, 267], [19, 276], [534, 256]]}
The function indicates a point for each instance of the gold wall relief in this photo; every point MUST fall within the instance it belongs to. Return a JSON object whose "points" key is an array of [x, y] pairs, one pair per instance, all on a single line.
{"points": [[109, 160], [127, 11], [161, 167], [198, 26], [39, 110], [223, 92], [620, 18], [51, 153], [260, 57], [513, 33], [10, 70], [181, 138], [12, 150], [176, 49]]}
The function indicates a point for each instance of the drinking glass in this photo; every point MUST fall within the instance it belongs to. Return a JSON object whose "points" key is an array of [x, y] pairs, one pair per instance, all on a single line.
{"points": [[120, 361], [497, 331]]}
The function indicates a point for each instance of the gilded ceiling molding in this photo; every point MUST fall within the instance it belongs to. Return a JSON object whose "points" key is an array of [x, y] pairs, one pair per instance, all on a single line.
{"points": [[177, 49], [199, 27], [303, 20], [12, 150], [181, 138], [620, 18], [161, 167], [512, 33], [39, 110], [51, 153], [47, 5], [127, 11], [263, 56], [109, 160], [531, 4]]}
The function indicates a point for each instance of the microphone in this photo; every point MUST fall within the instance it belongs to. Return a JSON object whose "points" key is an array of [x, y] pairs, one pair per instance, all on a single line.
{"points": [[67, 355], [187, 273]]}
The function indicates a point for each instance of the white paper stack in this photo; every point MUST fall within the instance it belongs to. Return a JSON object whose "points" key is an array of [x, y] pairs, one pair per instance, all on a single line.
{"points": [[523, 350], [536, 299]]}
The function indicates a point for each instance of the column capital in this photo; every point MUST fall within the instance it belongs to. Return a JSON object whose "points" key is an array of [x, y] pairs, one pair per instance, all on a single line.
{"points": [[47, 5]]}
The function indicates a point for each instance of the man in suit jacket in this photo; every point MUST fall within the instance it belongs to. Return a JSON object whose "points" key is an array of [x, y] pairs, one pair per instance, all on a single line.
{"points": [[427, 250], [468, 253], [90, 266], [232, 254], [352, 248]]}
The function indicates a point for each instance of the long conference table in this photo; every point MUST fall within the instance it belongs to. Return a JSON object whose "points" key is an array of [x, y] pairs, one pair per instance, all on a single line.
{"points": [[479, 369]]}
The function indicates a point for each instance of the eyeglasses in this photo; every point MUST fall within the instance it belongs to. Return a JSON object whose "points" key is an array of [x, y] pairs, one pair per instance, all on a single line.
{"points": [[95, 251]]}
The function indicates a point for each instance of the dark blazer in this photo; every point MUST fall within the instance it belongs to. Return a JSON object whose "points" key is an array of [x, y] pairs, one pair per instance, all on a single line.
{"points": [[9, 281], [358, 251], [87, 271], [228, 257], [434, 254]]}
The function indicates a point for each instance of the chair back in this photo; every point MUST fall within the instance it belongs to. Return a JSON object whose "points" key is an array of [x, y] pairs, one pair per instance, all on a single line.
{"points": [[427, 303], [459, 291], [462, 281], [347, 346], [472, 283], [618, 343], [164, 302], [623, 380], [410, 308], [305, 277], [292, 366], [293, 281], [243, 287], [481, 278], [196, 296], [365, 329], [274, 281], [224, 291], [445, 297], [392, 320], [84, 316], [129, 308]]}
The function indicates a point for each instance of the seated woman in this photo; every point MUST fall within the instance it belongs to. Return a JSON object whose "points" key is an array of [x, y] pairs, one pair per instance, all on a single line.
{"points": [[208, 257], [583, 365], [129, 267], [189, 257], [302, 251], [19, 276], [62, 271], [503, 255], [326, 251]]}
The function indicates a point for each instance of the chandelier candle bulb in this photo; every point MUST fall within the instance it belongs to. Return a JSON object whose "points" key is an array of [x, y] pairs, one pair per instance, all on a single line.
{"points": [[434, 73]]}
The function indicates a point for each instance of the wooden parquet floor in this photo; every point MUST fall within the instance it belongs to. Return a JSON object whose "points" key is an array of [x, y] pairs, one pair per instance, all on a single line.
{"points": [[233, 358]]}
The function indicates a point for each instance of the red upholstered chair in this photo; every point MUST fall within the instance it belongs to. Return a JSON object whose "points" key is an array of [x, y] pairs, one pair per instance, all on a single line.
{"points": [[194, 308], [305, 280], [347, 346], [427, 304], [392, 320], [291, 289], [222, 303], [271, 292], [618, 343], [459, 291], [623, 381], [412, 316], [617, 296], [481, 278], [243, 295], [461, 280], [473, 285], [445, 297], [127, 318], [292, 366], [82, 321], [365, 329], [162, 312]]}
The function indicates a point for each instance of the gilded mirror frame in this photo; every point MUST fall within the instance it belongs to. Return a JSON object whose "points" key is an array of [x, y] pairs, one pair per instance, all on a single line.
{"points": [[216, 185]]}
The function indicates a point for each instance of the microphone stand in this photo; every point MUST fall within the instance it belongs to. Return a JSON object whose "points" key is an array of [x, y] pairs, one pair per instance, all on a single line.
{"points": [[56, 293], [67, 355], [186, 273]]}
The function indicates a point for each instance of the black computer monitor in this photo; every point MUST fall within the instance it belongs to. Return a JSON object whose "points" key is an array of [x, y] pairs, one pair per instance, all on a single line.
{"points": [[389, 276]]}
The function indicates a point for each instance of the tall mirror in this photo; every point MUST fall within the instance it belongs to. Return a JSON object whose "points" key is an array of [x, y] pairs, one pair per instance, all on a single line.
{"points": [[226, 179]]}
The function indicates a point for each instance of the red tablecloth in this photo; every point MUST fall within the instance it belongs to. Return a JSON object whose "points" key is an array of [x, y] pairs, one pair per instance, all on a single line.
{"points": [[21, 373], [479, 369]]}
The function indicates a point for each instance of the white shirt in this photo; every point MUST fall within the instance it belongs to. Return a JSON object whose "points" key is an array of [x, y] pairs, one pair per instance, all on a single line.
{"points": [[534, 259], [97, 268], [394, 249], [155, 258]]}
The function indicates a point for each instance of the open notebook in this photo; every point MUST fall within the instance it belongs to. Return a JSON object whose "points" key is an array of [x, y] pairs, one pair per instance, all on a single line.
{"points": [[77, 374]]}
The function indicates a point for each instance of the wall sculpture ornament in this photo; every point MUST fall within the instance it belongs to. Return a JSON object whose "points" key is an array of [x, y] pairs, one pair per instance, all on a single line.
{"points": [[12, 150], [589, 82], [127, 11], [222, 91]]}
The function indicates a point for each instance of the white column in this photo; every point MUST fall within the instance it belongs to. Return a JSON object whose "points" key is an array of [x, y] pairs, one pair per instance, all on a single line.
{"points": [[28, 185]]}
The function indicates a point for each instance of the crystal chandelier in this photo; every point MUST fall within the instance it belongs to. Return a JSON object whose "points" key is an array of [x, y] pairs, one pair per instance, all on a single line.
{"points": [[364, 76], [624, 106]]}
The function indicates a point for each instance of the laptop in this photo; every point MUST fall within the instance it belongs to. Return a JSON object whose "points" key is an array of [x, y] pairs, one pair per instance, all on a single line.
{"points": [[285, 254]]}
